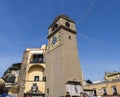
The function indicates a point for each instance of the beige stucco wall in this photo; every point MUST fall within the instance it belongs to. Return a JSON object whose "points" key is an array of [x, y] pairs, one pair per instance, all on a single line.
{"points": [[35, 70], [62, 62], [108, 85], [41, 86], [30, 70], [113, 77]]}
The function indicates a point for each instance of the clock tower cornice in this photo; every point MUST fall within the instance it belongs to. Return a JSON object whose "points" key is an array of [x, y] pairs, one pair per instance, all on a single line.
{"points": [[61, 27], [61, 16]]}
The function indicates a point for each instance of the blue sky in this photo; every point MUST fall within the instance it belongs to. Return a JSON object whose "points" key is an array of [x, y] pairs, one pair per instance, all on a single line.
{"points": [[24, 24]]}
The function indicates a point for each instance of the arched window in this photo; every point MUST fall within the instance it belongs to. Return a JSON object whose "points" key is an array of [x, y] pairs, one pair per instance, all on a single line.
{"points": [[54, 27], [67, 24], [37, 58], [36, 78], [104, 91], [114, 88]]}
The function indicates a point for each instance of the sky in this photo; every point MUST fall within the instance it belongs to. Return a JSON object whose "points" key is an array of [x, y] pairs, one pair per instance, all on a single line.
{"points": [[24, 24]]}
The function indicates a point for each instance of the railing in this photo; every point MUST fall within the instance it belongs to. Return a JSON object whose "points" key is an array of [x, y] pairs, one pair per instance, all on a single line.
{"points": [[37, 60]]}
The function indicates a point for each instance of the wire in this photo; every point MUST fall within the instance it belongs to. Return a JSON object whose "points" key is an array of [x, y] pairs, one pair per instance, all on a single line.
{"points": [[31, 41], [87, 11], [23, 43], [103, 44], [85, 66], [91, 60]]}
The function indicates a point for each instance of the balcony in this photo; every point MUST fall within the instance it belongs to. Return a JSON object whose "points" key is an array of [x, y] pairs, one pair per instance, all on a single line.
{"points": [[37, 58]]}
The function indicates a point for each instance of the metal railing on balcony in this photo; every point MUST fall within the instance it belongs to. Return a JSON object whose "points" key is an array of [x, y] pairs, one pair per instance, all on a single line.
{"points": [[37, 60]]}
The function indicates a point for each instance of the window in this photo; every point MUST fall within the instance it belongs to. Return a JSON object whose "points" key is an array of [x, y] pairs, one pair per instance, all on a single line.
{"points": [[95, 93], [36, 78], [37, 58], [11, 79], [73, 88], [69, 37], [55, 27], [104, 91], [48, 90], [44, 78], [67, 24], [114, 88]]}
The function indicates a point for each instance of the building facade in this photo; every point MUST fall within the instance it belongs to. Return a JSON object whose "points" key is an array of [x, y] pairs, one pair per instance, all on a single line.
{"points": [[112, 76], [63, 71], [53, 70], [11, 79], [32, 78], [108, 87]]}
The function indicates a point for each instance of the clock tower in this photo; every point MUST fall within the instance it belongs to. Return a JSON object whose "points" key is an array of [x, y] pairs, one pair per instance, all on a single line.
{"points": [[63, 71]]}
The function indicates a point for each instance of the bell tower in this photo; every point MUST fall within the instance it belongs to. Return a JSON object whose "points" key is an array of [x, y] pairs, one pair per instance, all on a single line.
{"points": [[63, 70]]}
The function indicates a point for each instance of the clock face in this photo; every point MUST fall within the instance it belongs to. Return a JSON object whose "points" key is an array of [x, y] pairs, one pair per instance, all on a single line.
{"points": [[54, 40]]}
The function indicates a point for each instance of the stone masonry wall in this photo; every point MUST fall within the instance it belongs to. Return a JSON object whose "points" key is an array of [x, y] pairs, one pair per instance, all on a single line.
{"points": [[21, 81]]}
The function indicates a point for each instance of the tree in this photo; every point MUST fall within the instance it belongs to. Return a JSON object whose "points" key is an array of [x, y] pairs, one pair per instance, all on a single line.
{"points": [[88, 81]]}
